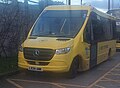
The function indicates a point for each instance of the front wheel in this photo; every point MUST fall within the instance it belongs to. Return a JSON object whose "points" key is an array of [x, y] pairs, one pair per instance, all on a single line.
{"points": [[72, 73]]}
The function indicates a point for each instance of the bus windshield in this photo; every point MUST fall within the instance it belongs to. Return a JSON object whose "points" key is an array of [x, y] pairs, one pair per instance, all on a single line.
{"points": [[59, 23]]}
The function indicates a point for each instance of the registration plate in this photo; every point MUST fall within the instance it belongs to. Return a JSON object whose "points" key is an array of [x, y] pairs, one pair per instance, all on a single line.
{"points": [[35, 69]]}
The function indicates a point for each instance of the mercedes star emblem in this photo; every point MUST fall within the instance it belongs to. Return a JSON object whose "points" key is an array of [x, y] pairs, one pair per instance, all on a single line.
{"points": [[36, 52]]}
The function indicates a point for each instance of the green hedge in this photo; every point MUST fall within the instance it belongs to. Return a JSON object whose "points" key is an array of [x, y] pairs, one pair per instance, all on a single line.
{"points": [[8, 65]]}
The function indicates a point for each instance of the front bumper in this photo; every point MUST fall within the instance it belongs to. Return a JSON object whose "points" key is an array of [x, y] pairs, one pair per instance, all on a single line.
{"points": [[45, 68], [57, 64]]}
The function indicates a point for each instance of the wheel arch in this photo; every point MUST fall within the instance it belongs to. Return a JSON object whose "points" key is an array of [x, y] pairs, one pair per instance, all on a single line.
{"points": [[80, 60]]}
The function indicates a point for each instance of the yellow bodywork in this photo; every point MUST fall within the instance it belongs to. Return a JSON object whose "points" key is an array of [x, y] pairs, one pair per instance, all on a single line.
{"points": [[118, 46], [62, 62]]}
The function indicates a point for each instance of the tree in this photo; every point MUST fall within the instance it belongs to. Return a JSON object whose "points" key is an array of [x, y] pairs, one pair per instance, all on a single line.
{"points": [[16, 20], [8, 19]]}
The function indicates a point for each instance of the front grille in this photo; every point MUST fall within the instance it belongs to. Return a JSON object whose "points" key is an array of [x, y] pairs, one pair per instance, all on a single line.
{"points": [[38, 54]]}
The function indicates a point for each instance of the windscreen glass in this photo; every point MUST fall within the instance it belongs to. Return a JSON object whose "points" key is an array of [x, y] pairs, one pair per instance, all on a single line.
{"points": [[59, 23]]}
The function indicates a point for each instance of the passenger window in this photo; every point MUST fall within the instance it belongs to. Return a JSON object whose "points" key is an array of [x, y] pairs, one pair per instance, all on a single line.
{"points": [[97, 27], [87, 33], [102, 27], [114, 30]]}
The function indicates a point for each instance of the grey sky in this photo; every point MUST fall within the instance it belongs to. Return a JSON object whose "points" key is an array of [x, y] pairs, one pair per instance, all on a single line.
{"points": [[103, 4], [99, 4]]}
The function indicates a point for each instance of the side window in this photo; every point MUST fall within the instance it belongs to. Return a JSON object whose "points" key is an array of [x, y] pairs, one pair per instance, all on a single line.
{"points": [[87, 32], [107, 29], [97, 27], [103, 28], [114, 29]]}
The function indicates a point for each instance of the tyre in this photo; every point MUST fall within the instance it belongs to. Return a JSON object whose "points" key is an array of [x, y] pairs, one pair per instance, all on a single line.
{"points": [[72, 73]]}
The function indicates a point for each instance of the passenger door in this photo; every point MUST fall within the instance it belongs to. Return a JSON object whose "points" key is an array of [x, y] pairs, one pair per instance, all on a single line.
{"points": [[93, 55], [93, 48], [89, 38], [97, 35]]}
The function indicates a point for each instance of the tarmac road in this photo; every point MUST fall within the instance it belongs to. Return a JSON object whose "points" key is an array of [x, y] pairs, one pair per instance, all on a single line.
{"points": [[105, 75]]}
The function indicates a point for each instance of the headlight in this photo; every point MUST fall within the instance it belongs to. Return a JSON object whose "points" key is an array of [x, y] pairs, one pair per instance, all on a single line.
{"points": [[63, 50], [20, 48]]}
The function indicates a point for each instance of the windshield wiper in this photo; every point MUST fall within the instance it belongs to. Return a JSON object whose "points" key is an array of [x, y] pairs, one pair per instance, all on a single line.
{"points": [[61, 29], [33, 37], [53, 35], [50, 35]]}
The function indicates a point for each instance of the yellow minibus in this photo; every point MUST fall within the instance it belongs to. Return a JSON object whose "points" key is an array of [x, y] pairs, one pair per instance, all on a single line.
{"points": [[68, 39]]}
